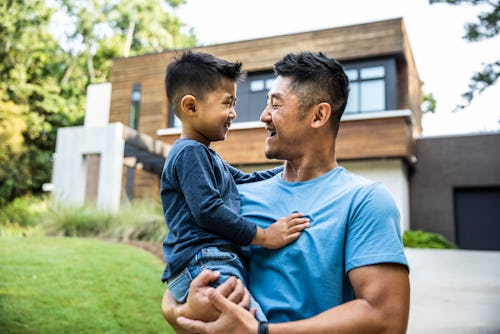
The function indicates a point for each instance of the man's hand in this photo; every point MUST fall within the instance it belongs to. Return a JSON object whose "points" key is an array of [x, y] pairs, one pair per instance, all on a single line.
{"points": [[282, 232], [233, 319], [198, 305]]}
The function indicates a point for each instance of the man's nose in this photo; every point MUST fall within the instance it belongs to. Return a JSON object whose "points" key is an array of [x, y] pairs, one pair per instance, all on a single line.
{"points": [[265, 116]]}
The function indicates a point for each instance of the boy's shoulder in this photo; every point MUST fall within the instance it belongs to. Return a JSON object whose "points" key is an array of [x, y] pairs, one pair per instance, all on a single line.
{"points": [[183, 144], [189, 149]]}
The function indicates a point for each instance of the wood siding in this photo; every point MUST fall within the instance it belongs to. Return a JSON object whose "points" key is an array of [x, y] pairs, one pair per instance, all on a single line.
{"points": [[358, 139]]}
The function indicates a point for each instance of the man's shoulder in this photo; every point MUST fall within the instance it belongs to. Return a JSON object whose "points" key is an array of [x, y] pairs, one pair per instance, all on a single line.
{"points": [[352, 180], [363, 186]]}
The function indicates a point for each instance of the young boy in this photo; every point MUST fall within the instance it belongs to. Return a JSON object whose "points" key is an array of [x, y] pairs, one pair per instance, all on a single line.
{"points": [[201, 203]]}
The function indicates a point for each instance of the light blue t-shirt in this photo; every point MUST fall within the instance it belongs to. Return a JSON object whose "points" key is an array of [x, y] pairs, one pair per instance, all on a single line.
{"points": [[354, 222]]}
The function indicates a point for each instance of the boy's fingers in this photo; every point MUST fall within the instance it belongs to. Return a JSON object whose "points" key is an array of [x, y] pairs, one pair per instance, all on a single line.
{"points": [[296, 215], [299, 222], [292, 237], [205, 278]]}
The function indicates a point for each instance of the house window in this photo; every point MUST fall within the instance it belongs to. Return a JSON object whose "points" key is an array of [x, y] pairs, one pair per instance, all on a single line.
{"points": [[252, 96], [173, 120], [372, 86], [135, 106]]}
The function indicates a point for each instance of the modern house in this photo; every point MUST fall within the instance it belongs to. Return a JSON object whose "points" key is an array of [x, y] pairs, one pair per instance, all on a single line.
{"points": [[378, 130]]}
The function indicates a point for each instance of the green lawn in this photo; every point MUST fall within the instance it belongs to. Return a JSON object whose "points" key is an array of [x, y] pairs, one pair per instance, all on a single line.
{"points": [[72, 285]]}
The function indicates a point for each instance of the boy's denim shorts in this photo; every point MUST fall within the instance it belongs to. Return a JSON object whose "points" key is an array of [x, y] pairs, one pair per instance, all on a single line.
{"points": [[220, 259]]}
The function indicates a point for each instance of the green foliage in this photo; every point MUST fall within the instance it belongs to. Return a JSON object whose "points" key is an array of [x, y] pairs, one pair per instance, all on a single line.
{"points": [[487, 26], [76, 221], [421, 239], [136, 221], [24, 211], [70, 285], [43, 77], [107, 29], [32, 102], [429, 103]]}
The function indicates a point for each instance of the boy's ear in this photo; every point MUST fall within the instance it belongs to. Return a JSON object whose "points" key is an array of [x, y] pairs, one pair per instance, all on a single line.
{"points": [[188, 104], [321, 115]]}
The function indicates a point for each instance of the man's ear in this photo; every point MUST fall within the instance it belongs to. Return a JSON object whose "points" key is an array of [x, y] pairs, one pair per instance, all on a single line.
{"points": [[188, 104], [321, 115]]}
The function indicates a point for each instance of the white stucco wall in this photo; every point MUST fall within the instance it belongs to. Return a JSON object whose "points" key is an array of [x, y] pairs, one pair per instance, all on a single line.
{"points": [[70, 170], [391, 172]]}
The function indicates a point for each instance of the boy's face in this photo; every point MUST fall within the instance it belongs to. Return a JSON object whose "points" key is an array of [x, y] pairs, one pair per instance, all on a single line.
{"points": [[215, 113]]}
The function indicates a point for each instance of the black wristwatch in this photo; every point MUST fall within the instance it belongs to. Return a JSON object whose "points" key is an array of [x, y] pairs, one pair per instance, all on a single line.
{"points": [[263, 329]]}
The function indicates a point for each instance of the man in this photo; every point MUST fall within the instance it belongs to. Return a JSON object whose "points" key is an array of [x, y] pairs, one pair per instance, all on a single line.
{"points": [[347, 273]]}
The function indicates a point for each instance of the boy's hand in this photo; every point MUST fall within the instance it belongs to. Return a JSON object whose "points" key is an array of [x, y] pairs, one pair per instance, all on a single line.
{"points": [[282, 232]]}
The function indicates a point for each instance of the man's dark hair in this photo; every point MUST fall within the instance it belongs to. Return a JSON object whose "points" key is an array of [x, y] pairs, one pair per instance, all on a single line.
{"points": [[198, 73], [316, 78]]}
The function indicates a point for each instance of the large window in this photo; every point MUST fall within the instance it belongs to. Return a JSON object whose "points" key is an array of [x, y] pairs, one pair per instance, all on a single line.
{"points": [[135, 106], [373, 86], [252, 96]]}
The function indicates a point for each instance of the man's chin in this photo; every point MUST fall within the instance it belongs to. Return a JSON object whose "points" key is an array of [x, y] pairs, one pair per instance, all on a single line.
{"points": [[271, 155]]}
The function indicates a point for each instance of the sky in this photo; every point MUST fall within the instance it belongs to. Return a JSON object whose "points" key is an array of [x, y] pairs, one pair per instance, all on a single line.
{"points": [[445, 61]]}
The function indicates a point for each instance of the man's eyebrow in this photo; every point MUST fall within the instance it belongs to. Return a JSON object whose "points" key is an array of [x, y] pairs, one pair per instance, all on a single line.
{"points": [[275, 96]]}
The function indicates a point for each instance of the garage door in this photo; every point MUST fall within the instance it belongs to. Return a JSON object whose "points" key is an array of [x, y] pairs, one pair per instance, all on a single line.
{"points": [[477, 218]]}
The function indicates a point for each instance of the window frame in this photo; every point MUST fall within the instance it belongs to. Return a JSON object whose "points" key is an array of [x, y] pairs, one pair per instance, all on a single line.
{"points": [[135, 106], [390, 81]]}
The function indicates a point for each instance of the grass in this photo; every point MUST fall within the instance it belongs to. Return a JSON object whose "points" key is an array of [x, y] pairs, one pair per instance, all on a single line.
{"points": [[74, 285]]}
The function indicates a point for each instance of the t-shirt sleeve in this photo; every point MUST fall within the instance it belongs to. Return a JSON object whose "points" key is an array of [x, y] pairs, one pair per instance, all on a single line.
{"points": [[194, 172], [373, 232], [241, 177]]}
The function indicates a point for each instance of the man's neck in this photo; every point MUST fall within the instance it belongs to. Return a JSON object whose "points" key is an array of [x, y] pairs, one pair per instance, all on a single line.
{"points": [[304, 172]]}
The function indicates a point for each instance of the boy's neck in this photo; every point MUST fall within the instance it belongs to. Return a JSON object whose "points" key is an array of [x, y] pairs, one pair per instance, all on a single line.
{"points": [[198, 138]]}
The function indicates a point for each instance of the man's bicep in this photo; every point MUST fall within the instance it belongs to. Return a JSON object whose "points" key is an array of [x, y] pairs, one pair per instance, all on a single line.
{"points": [[386, 288]]}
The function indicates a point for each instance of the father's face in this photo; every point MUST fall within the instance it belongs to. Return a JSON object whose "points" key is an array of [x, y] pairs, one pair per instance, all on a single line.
{"points": [[283, 121]]}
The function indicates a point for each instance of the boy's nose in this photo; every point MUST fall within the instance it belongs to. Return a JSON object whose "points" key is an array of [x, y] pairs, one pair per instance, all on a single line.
{"points": [[232, 113]]}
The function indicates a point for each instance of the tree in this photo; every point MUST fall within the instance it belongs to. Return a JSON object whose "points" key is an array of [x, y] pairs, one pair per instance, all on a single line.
{"points": [[104, 29], [487, 26], [43, 80], [32, 103]]}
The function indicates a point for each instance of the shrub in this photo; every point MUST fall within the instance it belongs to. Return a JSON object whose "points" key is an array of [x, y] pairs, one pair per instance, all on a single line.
{"points": [[76, 221], [140, 220], [421, 239], [137, 221], [24, 211]]}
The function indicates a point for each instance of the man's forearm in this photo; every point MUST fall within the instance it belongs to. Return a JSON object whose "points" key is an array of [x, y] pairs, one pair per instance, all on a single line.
{"points": [[353, 317]]}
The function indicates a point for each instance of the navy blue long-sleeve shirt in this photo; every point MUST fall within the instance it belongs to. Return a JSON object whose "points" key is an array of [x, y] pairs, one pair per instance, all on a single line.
{"points": [[201, 204]]}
